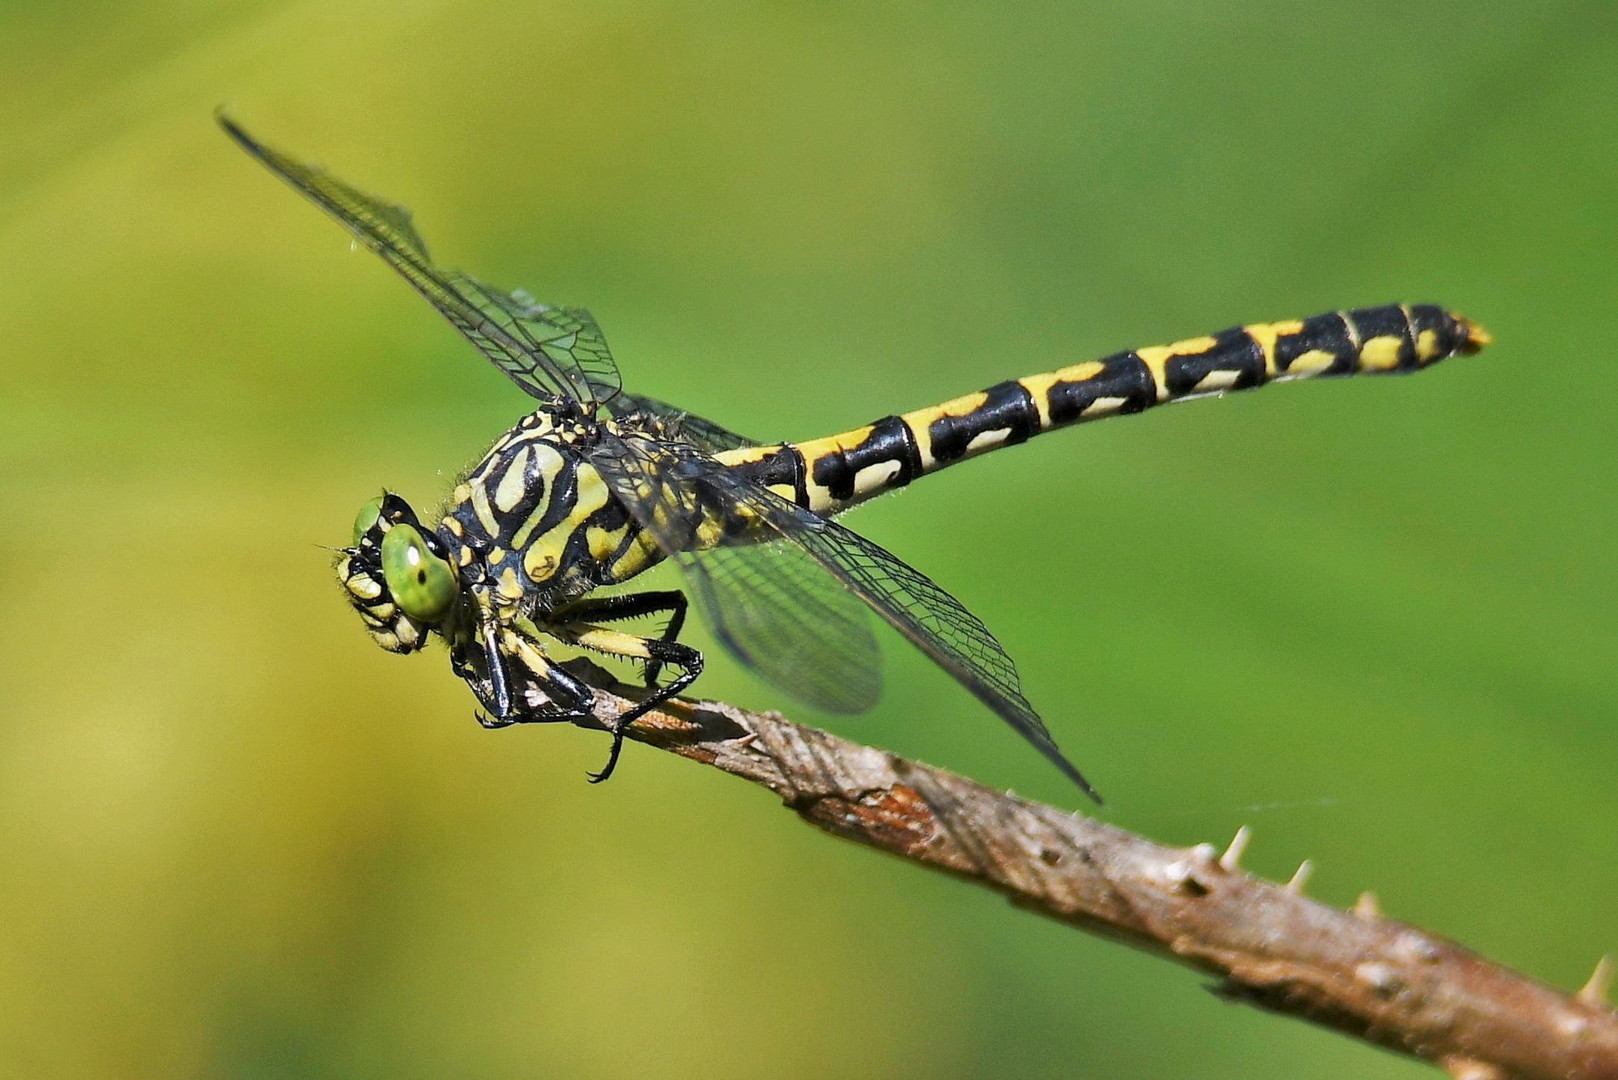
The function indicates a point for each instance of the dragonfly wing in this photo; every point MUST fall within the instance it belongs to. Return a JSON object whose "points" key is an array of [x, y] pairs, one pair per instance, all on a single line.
{"points": [[779, 613], [934, 621], [689, 502], [550, 352], [565, 343], [768, 603], [699, 431]]}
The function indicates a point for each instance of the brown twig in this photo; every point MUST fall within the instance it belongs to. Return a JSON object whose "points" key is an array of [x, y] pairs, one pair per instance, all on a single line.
{"points": [[1357, 971]]}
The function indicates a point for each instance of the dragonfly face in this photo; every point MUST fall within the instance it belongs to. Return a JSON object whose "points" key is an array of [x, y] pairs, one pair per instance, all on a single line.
{"points": [[397, 575]]}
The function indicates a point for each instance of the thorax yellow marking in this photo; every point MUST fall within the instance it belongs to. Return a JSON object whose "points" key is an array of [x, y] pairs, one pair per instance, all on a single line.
{"points": [[508, 586], [603, 542], [544, 555], [485, 512], [509, 491], [640, 554]]}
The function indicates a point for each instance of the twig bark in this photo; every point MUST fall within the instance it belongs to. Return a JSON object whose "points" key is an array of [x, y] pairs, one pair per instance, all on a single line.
{"points": [[1369, 976]]}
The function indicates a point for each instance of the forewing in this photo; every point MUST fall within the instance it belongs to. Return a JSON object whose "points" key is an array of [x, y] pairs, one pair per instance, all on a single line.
{"points": [[678, 495], [550, 352], [562, 349]]}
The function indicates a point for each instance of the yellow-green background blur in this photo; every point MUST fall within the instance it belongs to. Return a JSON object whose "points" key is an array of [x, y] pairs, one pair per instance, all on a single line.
{"points": [[1377, 620]]}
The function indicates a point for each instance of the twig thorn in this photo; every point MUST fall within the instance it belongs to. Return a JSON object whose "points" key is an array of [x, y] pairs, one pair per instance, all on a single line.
{"points": [[1465, 1068], [1231, 860], [1596, 990]]}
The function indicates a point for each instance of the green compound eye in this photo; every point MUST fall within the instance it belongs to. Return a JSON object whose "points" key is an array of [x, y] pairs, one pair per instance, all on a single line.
{"points": [[422, 584], [366, 518]]}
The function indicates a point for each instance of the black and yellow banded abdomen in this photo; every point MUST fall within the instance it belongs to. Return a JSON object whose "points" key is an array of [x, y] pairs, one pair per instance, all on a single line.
{"points": [[830, 474]]}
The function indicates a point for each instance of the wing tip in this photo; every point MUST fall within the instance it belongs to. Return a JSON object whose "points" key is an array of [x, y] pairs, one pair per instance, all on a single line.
{"points": [[238, 135], [1073, 774], [221, 116]]}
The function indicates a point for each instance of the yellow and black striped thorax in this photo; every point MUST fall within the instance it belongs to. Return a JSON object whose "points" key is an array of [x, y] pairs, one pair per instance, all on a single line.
{"points": [[536, 522], [832, 473]]}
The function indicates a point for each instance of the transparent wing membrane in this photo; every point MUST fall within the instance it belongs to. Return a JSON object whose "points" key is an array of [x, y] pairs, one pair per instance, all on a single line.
{"points": [[934, 621], [779, 613], [685, 426], [550, 352], [561, 350], [688, 503]]}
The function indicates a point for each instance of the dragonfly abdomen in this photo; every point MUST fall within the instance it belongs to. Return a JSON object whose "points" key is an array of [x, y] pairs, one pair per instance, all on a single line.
{"points": [[840, 470]]}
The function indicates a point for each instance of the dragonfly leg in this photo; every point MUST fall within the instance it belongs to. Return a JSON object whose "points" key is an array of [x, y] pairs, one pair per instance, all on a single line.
{"points": [[560, 695], [466, 659], [686, 660], [498, 701], [634, 606]]}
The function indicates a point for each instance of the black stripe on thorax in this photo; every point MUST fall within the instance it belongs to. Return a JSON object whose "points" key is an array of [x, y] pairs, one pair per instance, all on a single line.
{"points": [[533, 488], [558, 502]]}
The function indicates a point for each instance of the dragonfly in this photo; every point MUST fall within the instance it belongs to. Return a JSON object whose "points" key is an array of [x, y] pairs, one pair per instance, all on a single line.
{"points": [[597, 485]]}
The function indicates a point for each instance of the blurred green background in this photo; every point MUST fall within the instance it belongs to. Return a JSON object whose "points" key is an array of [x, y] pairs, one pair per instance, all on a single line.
{"points": [[1372, 619]]}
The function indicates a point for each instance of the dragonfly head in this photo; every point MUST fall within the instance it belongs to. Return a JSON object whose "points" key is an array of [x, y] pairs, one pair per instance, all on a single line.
{"points": [[396, 575]]}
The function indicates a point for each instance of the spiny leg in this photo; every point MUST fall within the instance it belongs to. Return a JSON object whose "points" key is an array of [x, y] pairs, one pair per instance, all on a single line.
{"points": [[565, 696], [489, 629], [633, 606], [633, 647], [470, 663]]}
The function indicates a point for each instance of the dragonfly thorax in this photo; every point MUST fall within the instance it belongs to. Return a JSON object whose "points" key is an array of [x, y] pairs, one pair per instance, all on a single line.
{"points": [[536, 524], [533, 526]]}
